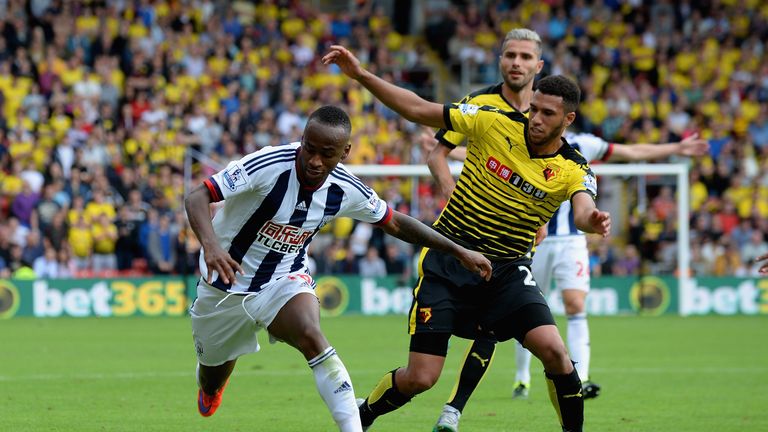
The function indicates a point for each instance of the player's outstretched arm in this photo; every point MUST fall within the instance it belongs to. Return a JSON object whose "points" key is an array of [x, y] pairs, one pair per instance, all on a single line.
{"points": [[407, 103], [690, 146], [763, 268], [197, 204], [411, 230], [588, 217]]}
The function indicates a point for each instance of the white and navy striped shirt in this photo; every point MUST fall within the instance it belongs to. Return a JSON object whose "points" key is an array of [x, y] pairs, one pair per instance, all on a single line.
{"points": [[592, 148], [269, 217]]}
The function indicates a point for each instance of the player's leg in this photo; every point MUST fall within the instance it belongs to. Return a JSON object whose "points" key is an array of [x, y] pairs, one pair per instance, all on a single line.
{"points": [[212, 378], [522, 373], [298, 324], [562, 378], [221, 333], [578, 337], [533, 324], [572, 278], [399, 386], [541, 267], [477, 361]]}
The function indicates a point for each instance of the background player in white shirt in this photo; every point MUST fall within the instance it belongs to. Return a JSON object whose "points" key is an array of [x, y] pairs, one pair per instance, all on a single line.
{"points": [[253, 264]]}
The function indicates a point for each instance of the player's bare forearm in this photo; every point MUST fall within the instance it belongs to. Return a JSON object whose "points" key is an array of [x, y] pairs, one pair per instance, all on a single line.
{"points": [[197, 204], [690, 146], [441, 172], [587, 217], [640, 152], [217, 259], [411, 230], [403, 101]]}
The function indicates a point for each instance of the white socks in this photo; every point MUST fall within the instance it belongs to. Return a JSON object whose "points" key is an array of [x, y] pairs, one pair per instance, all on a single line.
{"points": [[523, 364], [578, 343], [335, 387]]}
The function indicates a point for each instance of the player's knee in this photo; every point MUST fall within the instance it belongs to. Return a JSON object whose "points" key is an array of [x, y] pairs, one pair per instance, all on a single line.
{"points": [[310, 341], [418, 381], [554, 357], [574, 303]]}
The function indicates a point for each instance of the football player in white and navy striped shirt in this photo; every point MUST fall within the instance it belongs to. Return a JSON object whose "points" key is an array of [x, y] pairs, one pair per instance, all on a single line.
{"points": [[254, 262]]}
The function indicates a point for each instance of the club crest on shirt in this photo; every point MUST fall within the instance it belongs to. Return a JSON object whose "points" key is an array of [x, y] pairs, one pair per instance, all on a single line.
{"points": [[234, 177], [550, 172]]}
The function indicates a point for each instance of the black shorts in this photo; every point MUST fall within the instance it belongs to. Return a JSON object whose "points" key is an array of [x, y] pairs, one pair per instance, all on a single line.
{"points": [[448, 298]]}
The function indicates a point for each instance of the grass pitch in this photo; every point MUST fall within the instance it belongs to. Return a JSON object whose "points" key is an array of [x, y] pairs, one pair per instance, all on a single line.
{"points": [[137, 374]]}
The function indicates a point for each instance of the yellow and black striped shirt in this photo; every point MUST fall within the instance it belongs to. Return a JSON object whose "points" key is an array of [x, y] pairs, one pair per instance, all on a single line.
{"points": [[504, 193], [491, 96]]}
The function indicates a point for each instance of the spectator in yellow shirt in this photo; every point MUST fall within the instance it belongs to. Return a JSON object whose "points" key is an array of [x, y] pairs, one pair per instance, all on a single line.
{"points": [[99, 206], [104, 233], [81, 241]]}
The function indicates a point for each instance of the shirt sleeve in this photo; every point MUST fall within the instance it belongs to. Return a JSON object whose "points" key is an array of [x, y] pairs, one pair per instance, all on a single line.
{"points": [[449, 139], [582, 180], [464, 118], [452, 139], [370, 208], [232, 180]]}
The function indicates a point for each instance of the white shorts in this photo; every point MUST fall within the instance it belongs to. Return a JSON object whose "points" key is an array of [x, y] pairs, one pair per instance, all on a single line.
{"points": [[224, 325], [564, 259]]}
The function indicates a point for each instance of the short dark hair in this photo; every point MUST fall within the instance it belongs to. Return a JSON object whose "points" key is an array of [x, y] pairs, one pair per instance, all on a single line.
{"points": [[566, 88], [332, 116]]}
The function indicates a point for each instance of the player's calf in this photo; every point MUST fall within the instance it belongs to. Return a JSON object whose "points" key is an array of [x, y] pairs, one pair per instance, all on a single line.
{"points": [[566, 396], [384, 398]]}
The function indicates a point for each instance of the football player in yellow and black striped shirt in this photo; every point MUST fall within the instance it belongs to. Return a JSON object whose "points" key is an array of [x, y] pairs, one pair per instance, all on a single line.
{"points": [[517, 173]]}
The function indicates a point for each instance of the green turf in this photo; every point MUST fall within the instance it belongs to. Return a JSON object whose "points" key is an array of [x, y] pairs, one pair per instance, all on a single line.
{"points": [[658, 374]]}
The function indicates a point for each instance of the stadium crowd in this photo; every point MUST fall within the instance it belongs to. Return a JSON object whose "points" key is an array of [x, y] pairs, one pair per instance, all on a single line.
{"points": [[103, 101]]}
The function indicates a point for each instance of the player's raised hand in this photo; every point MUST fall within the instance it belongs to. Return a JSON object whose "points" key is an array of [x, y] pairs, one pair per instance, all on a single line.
{"points": [[694, 146], [220, 261], [763, 268], [345, 60], [476, 263], [600, 222]]}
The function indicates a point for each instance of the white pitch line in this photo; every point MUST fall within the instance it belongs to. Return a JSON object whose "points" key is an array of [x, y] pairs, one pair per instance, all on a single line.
{"points": [[299, 372]]}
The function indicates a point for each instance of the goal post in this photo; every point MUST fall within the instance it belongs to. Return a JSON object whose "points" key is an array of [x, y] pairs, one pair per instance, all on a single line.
{"points": [[678, 170]]}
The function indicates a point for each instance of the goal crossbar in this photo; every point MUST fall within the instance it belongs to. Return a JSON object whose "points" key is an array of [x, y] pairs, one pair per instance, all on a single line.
{"points": [[679, 170]]}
